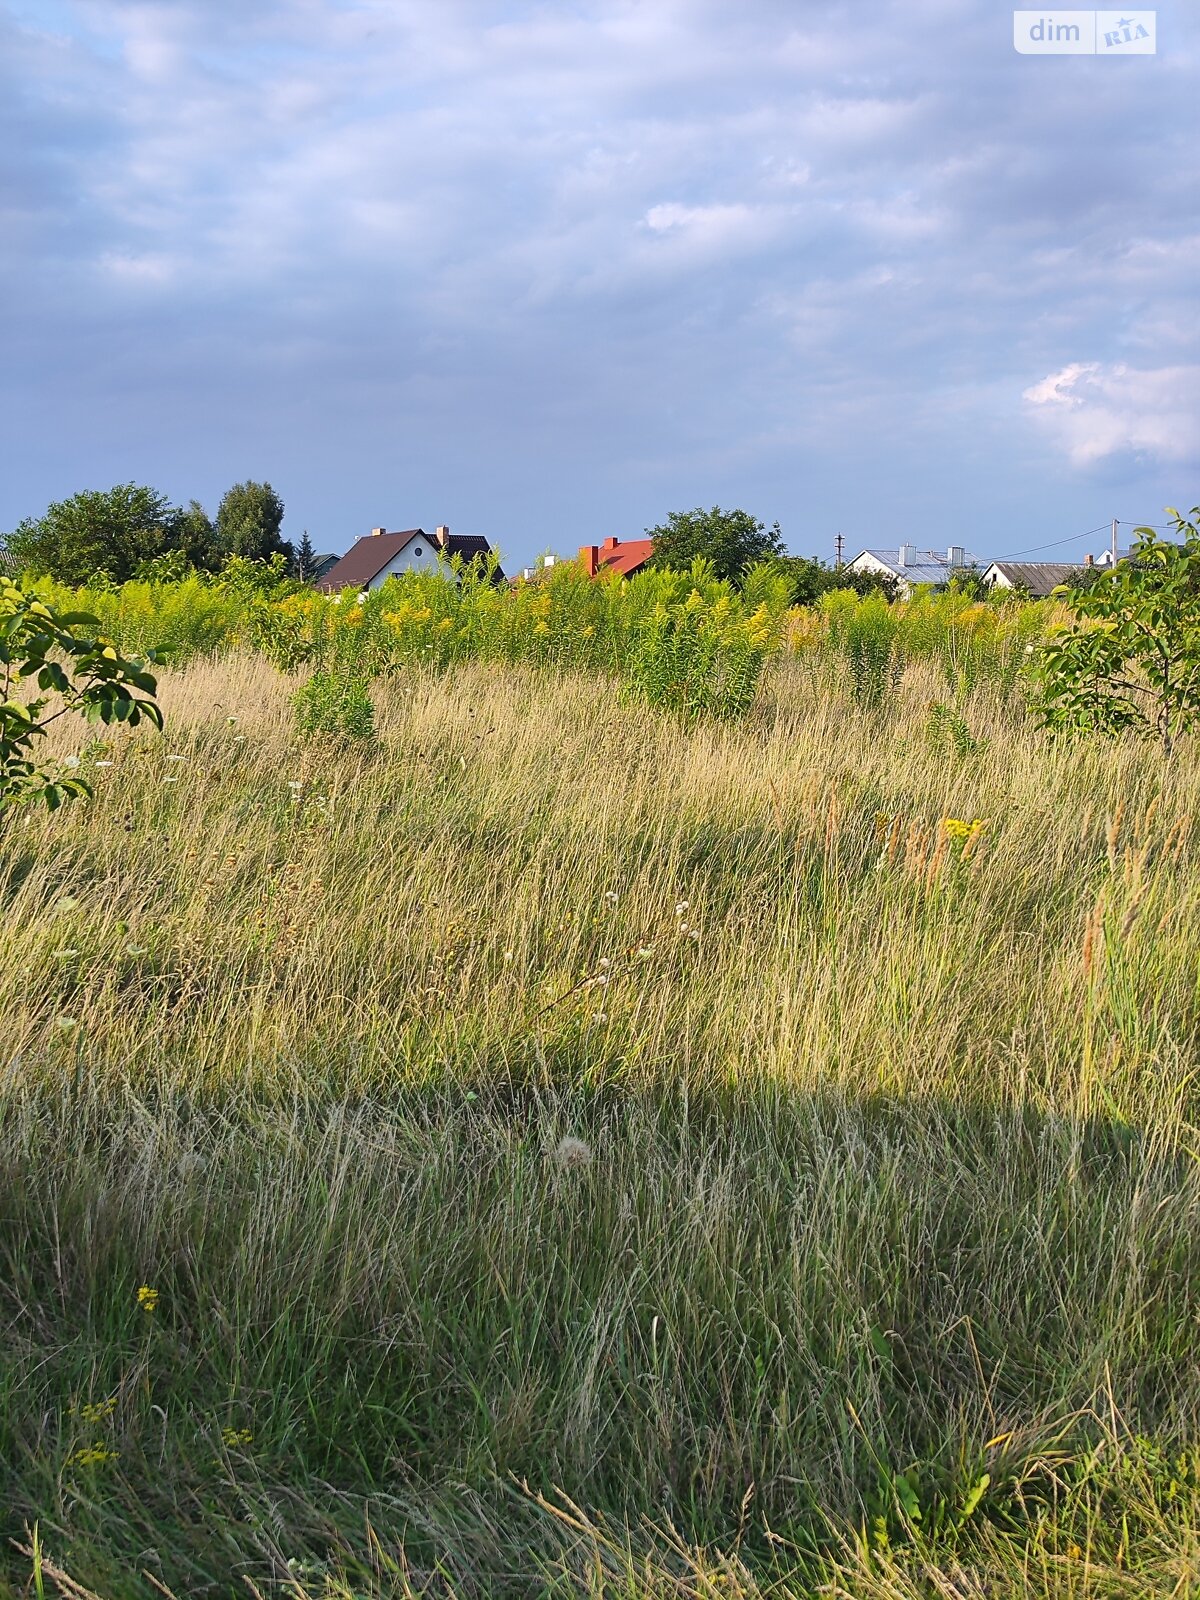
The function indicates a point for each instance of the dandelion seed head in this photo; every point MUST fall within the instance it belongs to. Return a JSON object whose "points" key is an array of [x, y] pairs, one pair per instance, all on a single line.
{"points": [[571, 1153]]}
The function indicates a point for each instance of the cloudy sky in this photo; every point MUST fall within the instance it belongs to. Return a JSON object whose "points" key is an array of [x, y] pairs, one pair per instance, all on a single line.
{"points": [[547, 271]]}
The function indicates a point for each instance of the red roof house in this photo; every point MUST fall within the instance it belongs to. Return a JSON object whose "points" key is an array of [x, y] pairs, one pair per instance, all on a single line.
{"points": [[614, 555]]}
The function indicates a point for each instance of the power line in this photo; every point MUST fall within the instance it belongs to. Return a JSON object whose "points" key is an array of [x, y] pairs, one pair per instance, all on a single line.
{"points": [[1055, 544]]}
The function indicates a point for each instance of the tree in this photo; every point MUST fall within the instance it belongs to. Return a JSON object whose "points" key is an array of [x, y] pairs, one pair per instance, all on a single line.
{"points": [[1132, 660], [248, 522], [306, 558], [95, 532], [192, 534], [808, 579], [75, 672], [733, 541]]}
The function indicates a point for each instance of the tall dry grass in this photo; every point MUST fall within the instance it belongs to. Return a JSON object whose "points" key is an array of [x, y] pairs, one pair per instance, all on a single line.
{"points": [[681, 1123]]}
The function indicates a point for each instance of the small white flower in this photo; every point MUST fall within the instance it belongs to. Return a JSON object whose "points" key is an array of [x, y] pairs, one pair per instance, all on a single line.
{"points": [[684, 928], [695, 933], [612, 897], [604, 962], [508, 955], [644, 952], [602, 979], [70, 761], [681, 907], [601, 1016]]}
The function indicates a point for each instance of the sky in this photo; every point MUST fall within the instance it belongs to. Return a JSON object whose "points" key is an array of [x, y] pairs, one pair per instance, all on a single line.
{"points": [[548, 272]]}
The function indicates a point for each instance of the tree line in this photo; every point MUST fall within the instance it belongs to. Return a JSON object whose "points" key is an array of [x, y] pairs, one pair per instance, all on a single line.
{"points": [[131, 530], [735, 541]]}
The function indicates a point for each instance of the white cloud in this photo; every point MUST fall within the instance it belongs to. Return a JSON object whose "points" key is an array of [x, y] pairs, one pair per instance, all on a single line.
{"points": [[1095, 410]]}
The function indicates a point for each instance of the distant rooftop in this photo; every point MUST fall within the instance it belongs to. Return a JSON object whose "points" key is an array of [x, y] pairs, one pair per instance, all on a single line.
{"points": [[915, 566]]}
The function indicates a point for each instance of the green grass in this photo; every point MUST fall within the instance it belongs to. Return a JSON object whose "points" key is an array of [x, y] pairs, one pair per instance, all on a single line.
{"points": [[735, 1273]]}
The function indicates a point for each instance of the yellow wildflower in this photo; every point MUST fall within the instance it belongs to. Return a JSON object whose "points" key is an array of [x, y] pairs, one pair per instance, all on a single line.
{"points": [[147, 1298], [95, 1412], [92, 1455]]}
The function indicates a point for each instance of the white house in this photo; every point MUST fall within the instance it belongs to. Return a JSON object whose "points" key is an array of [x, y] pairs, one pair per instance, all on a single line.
{"points": [[1035, 578], [380, 555], [908, 566]]}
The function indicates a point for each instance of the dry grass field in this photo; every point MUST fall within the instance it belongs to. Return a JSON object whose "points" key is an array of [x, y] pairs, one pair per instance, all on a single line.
{"points": [[565, 1151]]}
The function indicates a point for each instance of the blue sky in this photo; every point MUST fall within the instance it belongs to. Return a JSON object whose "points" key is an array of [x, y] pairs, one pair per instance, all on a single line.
{"points": [[547, 272]]}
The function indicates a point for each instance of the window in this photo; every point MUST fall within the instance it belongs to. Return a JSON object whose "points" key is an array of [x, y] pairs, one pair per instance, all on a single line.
{"points": [[417, 551]]}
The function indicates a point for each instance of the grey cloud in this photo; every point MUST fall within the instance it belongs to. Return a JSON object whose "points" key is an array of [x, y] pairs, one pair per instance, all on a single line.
{"points": [[684, 247]]}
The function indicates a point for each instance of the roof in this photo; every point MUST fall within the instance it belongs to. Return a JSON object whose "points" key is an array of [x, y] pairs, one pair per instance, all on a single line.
{"points": [[626, 558], [928, 567], [8, 562], [468, 546], [366, 559], [368, 556], [1037, 577]]}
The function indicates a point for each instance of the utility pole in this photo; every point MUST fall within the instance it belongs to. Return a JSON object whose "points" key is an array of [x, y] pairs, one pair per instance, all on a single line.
{"points": [[1114, 542], [838, 545]]}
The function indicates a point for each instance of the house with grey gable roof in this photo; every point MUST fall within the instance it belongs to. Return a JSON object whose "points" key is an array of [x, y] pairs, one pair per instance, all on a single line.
{"points": [[1034, 578]]}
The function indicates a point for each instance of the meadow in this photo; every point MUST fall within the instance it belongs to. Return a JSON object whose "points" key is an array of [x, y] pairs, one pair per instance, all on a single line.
{"points": [[601, 1135]]}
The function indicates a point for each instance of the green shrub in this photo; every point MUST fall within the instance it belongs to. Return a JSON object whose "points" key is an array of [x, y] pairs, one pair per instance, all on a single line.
{"points": [[336, 704]]}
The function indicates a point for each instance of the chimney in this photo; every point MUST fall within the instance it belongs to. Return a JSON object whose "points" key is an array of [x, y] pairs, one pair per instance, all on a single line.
{"points": [[906, 555], [956, 555], [590, 557], [442, 535], [610, 544], [377, 531], [1089, 560]]}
